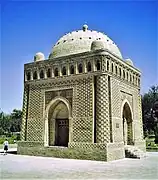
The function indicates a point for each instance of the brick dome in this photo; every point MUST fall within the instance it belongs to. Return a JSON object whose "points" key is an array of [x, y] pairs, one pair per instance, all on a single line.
{"points": [[81, 41]]}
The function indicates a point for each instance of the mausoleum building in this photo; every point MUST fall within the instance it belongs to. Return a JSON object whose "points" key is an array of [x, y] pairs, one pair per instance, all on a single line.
{"points": [[83, 101]]}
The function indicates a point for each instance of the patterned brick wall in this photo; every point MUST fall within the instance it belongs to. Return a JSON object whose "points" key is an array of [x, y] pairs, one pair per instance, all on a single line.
{"points": [[35, 123], [66, 93], [24, 113], [140, 116], [82, 107], [120, 92], [82, 129], [84, 98], [82, 145], [135, 102], [126, 94], [102, 110], [82, 111], [115, 96]]}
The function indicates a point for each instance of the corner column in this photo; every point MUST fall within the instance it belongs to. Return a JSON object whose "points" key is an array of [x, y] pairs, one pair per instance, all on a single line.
{"points": [[24, 113], [102, 110]]}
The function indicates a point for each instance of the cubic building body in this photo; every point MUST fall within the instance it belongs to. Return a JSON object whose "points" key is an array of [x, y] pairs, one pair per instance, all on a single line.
{"points": [[83, 101]]}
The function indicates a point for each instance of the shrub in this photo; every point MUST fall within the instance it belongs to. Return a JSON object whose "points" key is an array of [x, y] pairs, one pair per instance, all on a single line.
{"points": [[10, 139]]}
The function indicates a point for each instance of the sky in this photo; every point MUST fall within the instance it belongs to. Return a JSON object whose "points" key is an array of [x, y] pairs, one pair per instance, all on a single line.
{"points": [[28, 27]]}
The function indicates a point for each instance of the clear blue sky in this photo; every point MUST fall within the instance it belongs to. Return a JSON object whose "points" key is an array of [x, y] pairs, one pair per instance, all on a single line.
{"points": [[29, 27]]}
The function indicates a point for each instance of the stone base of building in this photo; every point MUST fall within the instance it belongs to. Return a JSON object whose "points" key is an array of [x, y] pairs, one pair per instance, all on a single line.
{"points": [[35, 149], [77, 150], [115, 151], [141, 144], [87, 151]]}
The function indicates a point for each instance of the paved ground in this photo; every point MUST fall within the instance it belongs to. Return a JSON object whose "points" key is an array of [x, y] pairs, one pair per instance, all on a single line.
{"points": [[26, 167], [9, 150]]}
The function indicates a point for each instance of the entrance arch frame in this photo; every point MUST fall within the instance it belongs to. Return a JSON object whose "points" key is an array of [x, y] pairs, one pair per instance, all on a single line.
{"points": [[52, 103], [125, 101]]}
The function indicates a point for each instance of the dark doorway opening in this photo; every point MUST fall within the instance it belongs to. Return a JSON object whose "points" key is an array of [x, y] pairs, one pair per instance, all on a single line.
{"points": [[62, 132]]}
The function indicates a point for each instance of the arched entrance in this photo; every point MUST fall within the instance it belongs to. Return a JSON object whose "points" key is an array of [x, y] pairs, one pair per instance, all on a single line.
{"points": [[61, 125], [127, 125], [57, 122]]}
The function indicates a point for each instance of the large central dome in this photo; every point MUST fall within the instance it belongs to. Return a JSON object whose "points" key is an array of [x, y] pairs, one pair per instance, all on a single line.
{"points": [[81, 41]]}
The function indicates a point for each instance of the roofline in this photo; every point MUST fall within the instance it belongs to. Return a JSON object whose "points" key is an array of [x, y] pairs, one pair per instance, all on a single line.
{"points": [[90, 53]]}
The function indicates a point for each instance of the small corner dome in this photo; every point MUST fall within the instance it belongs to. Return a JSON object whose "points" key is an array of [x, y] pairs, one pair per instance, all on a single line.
{"points": [[129, 61], [97, 44], [39, 57]]}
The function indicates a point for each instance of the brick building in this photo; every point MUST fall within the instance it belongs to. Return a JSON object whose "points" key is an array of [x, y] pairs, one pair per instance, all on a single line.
{"points": [[83, 101]]}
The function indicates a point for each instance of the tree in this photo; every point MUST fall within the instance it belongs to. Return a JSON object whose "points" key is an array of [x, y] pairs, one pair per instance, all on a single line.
{"points": [[16, 117], [148, 101], [10, 122], [155, 117], [4, 123]]}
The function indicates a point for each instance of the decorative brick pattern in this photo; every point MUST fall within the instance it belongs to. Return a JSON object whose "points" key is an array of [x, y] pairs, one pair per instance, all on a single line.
{"points": [[126, 95], [84, 98], [66, 93], [35, 115], [81, 107], [82, 129], [24, 113], [140, 116], [81, 145], [102, 110], [115, 94], [54, 151], [31, 143], [82, 111]]}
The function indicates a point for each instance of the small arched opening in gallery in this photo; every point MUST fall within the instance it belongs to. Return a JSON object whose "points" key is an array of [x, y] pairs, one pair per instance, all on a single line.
{"points": [[98, 65], [123, 74], [72, 69], [138, 82], [120, 72], [127, 76], [112, 67], [35, 75], [28, 76], [107, 65], [89, 68], [80, 68], [116, 70], [56, 72], [48, 73], [41, 74], [133, 79], [64, 70]]}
